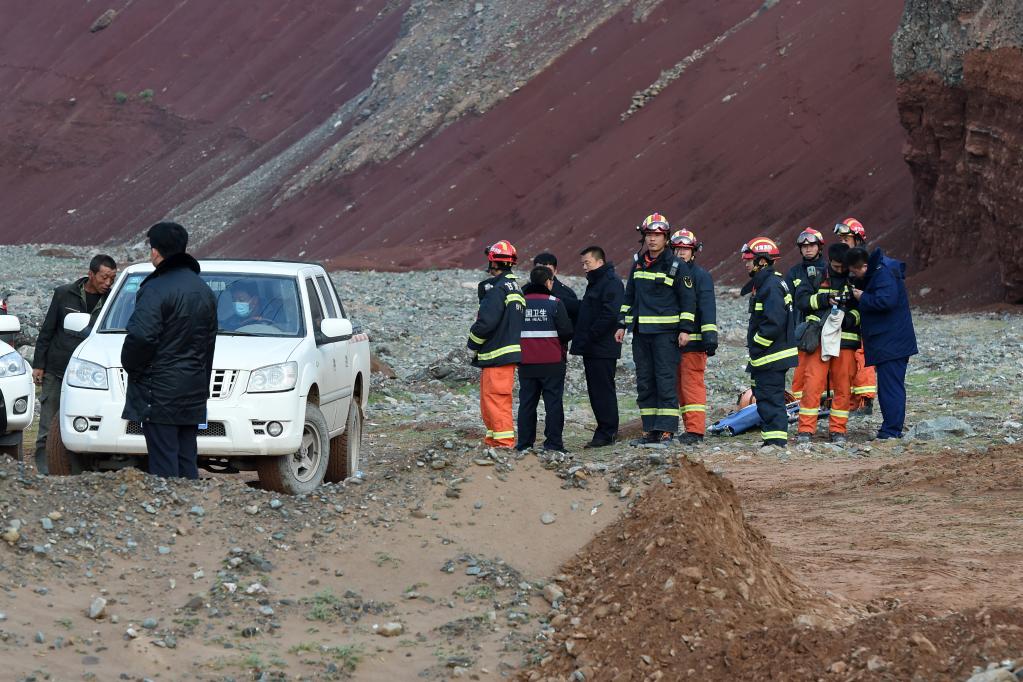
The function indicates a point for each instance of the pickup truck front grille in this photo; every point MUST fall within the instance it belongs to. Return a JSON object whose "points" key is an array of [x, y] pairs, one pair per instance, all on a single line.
{"points": [[214, 430], [221, 383]]}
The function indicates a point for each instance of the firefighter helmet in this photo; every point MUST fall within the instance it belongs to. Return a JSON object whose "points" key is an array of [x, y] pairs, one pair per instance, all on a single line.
{"points": [[760, 247], [501, 252], [853, 227], [656, 223], [685, 239], [809, 236]]}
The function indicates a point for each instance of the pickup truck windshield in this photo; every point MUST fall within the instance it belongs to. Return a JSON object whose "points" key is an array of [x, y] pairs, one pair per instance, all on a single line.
{"points": [[247, 305]]}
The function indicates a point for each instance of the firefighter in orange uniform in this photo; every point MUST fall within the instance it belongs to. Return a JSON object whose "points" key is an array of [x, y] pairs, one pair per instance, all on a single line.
{"points": [[810, 269], [494, 339], [703, 343], [851, 231]]}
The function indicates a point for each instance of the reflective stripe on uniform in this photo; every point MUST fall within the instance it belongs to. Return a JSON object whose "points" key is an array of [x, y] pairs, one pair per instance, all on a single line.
{"points": [[515, 348], [696, 337], [647, 411], [758, 306], [709, 328], [757, 338], [809, 411], [545, 334], [856, 315], [629, 319], [654, 276], [667, 412], [625, 308], [476, 339], [840, 414], [798, 395], [497, 435], [514, 298], [687, 316], [813, 317], [850, 336], [797, 282], [773, 357], [657, 319], [692, 408], [858, 390], [774, 435]]}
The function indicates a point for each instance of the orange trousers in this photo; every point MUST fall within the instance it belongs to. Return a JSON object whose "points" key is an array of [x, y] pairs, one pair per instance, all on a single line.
{"points": [[692, 392], [841, 371], [864, 385], [496, 384], [798, 375]]}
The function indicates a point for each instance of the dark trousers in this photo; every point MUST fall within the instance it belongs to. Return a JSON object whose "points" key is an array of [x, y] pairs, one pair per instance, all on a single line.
{"points": [[173, 451], [891, 395], [600, 386], [552, 388], [769, 390], [657, 357], [49, 405]]}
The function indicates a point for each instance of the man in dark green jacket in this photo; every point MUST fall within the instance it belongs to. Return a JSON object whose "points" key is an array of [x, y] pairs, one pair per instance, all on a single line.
{"points": [[770, 338], [55, 345]]}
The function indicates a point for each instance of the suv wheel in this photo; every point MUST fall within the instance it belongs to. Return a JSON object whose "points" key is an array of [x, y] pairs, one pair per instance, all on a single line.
{"points": [[59, 460], [302, 471], [346, 449], [15, 450]]}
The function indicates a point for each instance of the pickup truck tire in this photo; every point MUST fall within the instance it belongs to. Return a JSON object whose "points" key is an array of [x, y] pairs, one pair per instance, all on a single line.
{"points": [[16, 450], [59, 460], [301, 472], [346, 449]]}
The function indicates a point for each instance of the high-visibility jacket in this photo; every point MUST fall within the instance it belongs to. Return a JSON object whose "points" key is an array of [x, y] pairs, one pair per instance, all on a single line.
{"points": [[659, 297], [771, 337], [495, 334], [706, 335], [815, 304], [806, 273]]}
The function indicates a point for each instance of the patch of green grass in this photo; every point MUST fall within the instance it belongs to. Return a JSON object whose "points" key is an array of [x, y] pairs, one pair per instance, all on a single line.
{"points": [[146, 95], [479, 591], [383, 558], [324, 605], [348, 656], [303, 647], [120, 97], [64, 622]]}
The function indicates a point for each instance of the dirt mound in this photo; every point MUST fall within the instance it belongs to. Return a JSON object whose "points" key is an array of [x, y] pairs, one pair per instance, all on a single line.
{"points": [[683, 587], [999, 469]]}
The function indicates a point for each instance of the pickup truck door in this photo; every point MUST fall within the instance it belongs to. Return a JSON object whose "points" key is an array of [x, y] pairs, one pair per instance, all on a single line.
{"points": [[332, 355]]}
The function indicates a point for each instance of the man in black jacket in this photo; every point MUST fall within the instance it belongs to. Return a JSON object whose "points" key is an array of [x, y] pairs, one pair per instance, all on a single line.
{"points": [[595, 341], [559, 288], [55, 344], [168, 354]]}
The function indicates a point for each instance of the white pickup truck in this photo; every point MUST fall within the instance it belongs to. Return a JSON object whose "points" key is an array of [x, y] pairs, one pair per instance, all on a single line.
{"points": [[288, 393], [17, 392]]}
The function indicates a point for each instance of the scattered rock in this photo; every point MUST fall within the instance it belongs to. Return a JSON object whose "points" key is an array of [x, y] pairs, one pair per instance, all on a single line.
{"points": [[98, 608], [940, 428], [391, 629], [101, 22], [547, 518]]}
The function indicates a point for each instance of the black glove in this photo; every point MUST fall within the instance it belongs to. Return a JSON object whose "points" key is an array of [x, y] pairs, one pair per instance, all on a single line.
{"points": [[711, 349]]}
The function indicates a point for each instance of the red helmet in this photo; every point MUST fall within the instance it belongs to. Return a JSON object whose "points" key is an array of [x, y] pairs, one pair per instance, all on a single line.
{"points": [[809, 236], [655, 222], [760, 246], [853, 227], [502, 252], [685, 239]]}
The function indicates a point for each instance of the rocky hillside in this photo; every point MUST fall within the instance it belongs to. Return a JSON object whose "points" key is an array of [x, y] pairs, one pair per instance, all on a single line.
{"points": [[395, 134], [960, 68]]}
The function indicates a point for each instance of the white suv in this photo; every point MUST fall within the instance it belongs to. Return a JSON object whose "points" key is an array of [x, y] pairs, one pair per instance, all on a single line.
{"points": [[289, 388], [17, 393]]}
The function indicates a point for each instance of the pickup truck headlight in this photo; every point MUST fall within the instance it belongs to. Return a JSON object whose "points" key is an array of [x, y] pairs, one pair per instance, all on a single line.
{"points": [[85, 374], [12, 364], [273, 378]]}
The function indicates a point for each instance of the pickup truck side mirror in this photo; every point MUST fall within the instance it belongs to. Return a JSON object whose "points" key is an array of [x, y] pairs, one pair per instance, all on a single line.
{"points": [[9, 324], [336, 328], [76, 322]]}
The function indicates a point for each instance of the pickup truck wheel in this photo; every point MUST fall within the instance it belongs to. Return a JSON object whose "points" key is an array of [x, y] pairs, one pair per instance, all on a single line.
{"points": [[346, 449], [15, 451], [302, 471], [60, 460]]}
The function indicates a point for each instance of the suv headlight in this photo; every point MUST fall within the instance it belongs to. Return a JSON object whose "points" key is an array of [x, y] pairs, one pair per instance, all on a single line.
{"points": [[12, 364], [85, 374], [273, 378]]}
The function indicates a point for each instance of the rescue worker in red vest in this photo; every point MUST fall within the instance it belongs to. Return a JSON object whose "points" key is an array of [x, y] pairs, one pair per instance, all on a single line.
{"points": [[770, 338], [810, 269], [494, 340], [835, 374], [864, 389], [546, 331], [660, 310], [703, 343]]}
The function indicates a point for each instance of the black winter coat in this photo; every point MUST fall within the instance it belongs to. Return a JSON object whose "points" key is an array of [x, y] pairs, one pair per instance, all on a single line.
{"points": [[806, 273], [168, 350], [495, 336], [568, 297], [771, 337], [598, 315], [55, 345]]}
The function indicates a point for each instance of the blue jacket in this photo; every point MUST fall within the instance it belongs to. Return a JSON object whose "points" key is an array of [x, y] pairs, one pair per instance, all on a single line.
{"points": [[598, 315], [885, 320]]}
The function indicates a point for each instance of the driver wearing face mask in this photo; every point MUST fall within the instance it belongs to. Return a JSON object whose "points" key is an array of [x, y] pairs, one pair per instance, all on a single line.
{"points": [[246, 304]]}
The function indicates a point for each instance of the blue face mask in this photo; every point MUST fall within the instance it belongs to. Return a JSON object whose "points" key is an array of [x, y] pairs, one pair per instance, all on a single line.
{"points": [[242, 308]]}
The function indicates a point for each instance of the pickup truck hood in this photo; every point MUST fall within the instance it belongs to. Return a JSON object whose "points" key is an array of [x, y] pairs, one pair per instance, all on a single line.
{"points": [[232, 352]]}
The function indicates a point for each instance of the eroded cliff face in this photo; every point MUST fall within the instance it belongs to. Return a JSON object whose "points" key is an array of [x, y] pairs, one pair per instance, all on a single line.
{"points": [[959, 64]]}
